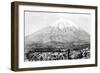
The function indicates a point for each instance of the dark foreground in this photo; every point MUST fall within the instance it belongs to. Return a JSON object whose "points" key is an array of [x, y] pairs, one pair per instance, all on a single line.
{"points": [[59, 54]]}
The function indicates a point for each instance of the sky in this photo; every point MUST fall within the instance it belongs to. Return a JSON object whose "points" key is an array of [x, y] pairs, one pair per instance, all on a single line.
{"points": [[35, 21]]}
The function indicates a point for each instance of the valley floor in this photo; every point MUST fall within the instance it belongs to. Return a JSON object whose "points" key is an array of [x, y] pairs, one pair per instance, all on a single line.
{"points": [[66, 54]]}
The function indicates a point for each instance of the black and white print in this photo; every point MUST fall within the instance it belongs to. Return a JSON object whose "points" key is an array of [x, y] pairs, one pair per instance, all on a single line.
{"points": [[53, 36]]}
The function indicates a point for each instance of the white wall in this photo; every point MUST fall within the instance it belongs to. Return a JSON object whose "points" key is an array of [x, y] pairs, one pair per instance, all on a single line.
{"points": [[5, 26]]}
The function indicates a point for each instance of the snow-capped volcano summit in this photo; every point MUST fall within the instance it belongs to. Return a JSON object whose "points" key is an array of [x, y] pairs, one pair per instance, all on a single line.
{"points": [[62, 24]]}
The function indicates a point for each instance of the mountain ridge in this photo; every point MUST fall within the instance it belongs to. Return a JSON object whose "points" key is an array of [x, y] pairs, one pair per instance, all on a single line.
{"points": [[60, 34]]}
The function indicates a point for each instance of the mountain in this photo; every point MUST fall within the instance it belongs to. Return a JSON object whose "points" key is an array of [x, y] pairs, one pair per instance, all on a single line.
{"points": [[62, 33]]}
